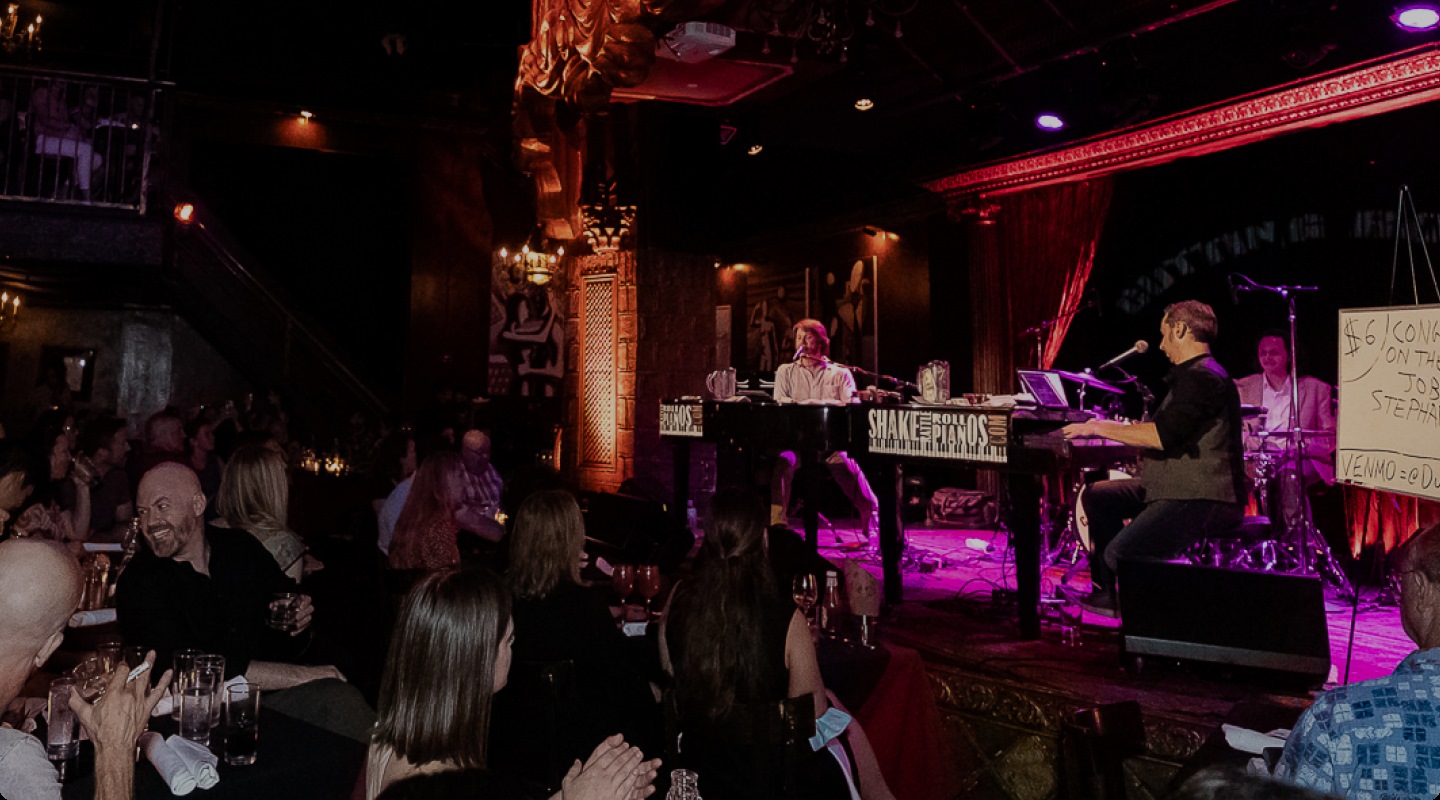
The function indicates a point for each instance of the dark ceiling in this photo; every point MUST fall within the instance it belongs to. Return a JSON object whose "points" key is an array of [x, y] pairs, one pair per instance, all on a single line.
{"points": [[965, 80]]}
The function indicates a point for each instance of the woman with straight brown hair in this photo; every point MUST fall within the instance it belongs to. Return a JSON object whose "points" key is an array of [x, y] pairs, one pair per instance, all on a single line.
{"points": [[448, 656], [426, 529], [561, 623]]}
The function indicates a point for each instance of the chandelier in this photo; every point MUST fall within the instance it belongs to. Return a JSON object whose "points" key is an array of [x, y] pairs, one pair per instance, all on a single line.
{"points": [[828, 25], [537, 265], [607, 223], [13, 37]]}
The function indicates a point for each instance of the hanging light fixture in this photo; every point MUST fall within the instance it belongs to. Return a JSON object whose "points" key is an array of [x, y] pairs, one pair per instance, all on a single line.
{"points": [[826, 25], [538, 264]]}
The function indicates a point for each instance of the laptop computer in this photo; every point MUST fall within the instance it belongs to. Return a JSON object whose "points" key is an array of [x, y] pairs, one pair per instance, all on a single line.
{"points": [[1045, 386]]}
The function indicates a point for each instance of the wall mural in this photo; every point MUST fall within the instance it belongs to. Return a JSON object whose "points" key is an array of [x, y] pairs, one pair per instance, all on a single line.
{"points": [[841, 295], [527, 335]]}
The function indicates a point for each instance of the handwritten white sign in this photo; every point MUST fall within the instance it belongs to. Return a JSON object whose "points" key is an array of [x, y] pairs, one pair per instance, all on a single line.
{"points": [[1388, 433]]}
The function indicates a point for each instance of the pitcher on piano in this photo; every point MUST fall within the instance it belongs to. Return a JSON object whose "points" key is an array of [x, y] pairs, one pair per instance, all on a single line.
{"points": [[1192, 477], [812, 376]]}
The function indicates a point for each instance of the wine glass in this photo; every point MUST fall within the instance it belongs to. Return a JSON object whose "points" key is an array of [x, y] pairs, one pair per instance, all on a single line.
{"points": [[647, 582], [622, 580], [806, 591]]}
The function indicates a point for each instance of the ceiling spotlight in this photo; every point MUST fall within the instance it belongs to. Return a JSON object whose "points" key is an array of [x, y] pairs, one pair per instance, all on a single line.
{"points": [[1417, 17], [1049, 122], [864, 104], [756, 149], [184, 212]]}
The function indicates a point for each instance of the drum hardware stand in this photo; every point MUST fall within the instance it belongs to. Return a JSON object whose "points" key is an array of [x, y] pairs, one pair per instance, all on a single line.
{"points": [[1315, 555]]}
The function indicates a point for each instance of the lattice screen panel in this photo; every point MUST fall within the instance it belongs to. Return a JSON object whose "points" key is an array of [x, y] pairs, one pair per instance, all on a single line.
{"points": [[599, 335]]}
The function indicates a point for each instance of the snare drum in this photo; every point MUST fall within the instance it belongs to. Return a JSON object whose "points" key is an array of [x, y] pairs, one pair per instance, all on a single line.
{"points": [[1082, 519]]}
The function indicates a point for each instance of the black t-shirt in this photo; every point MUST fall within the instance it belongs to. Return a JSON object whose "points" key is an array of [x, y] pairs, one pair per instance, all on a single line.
{"points": [[165, 605], [1200, 436]]}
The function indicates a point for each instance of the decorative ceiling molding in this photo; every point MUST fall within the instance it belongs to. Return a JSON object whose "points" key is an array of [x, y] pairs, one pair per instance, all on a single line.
{"points": [[1401, 80]]}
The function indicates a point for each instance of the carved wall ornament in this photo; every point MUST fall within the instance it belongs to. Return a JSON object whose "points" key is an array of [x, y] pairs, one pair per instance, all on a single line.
{"points": [[1401, 80], [584, 49]]}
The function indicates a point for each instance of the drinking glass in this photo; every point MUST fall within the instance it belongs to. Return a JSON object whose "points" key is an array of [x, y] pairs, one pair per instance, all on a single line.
{"points": [[62, 741], [806, 591], [647, 582], [90, 678], [242, 723], [213, 666], [195, 702], [109, 652], [135, 656], [623, 581], [184, 676], [283, 613]]}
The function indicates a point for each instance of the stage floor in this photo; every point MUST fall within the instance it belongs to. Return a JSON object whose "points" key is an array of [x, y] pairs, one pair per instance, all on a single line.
{"points": [[967, 636]]}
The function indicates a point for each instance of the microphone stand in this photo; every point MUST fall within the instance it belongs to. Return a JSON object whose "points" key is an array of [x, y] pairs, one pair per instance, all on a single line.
{"points": [[1315, 555], [1039, 330]]}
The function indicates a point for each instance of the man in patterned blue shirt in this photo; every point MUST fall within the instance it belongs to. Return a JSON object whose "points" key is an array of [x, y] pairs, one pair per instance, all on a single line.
{"points": [[1380, 739]]}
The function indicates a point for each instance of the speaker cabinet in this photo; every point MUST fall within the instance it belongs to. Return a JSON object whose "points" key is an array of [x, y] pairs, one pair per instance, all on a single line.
{"points": [[1225, 616]]}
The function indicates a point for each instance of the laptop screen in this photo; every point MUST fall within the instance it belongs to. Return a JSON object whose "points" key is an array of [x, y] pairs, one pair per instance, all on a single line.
{"points": [[1045, 387]]}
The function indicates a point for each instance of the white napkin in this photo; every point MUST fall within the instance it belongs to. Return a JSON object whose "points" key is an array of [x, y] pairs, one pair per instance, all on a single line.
{"points": [[99, 616], [1248, 741], [198, 759], [168, 763], [167, 703]]}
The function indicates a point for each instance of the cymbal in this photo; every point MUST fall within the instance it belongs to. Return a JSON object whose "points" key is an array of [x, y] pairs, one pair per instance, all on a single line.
{"points": [[1090, 380], [1252, 411]]}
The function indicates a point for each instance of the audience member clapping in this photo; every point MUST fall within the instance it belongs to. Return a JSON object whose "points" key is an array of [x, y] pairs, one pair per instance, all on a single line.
{"points": [[434, 713], [558, 620]]}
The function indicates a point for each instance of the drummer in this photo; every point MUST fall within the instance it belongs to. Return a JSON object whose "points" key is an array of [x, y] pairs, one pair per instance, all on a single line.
{"points": [[1270, 389]]}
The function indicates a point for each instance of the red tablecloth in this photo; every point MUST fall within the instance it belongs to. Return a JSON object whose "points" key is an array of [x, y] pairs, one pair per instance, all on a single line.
{"points": [[903, 723]]}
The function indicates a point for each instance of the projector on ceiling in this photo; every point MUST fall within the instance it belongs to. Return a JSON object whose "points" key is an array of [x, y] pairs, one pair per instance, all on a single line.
{"points": [[694, 42]]}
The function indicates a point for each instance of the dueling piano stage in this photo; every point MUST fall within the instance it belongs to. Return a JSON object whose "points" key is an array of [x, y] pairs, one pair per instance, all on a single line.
{"points": [[1023, 444]]}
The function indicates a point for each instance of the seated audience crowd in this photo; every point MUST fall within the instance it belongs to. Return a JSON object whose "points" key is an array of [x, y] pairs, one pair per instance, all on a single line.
{"points": [[200, 513]]}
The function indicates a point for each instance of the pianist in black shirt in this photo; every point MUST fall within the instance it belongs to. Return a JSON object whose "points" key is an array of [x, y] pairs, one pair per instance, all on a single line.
{"points": [[810, 377], [1192, 474]]}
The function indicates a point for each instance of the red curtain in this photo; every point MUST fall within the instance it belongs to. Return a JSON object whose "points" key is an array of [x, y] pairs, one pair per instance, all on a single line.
{"points": [[1386, 519], [1048, 238]]}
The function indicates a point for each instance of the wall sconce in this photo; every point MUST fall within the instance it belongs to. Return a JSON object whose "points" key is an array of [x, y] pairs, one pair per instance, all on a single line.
{"points": [[608, 224], [538, 266], [9, 310]]}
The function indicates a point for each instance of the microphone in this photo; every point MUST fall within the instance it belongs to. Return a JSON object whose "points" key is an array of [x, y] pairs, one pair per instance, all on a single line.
{"points": [[1136, 349], [1234, 293], [799, 351]]}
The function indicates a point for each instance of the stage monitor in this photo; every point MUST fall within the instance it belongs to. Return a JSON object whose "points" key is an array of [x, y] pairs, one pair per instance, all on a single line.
{"points": [[1045, 387]]}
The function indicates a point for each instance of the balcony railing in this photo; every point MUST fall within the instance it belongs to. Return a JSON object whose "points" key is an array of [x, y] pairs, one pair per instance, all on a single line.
{"points": [[78, 139]]}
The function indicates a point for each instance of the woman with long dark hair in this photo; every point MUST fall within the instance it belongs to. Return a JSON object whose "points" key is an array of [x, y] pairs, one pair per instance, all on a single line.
{"points": [[426, 530], [448, 656], [559, 619], [738, 649]]}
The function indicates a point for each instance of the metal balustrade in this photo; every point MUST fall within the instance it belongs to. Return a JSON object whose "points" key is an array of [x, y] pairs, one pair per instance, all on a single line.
{"points": [[78, 139]]}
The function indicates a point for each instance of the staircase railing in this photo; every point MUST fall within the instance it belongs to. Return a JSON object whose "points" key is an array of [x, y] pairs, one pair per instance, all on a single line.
{"points": [[210, 272]]}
